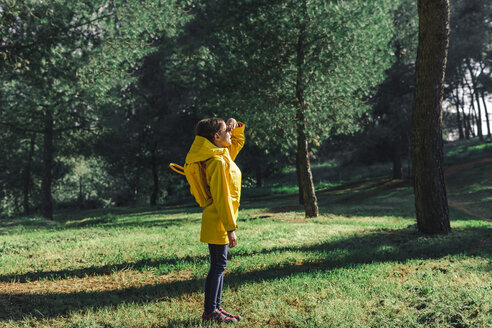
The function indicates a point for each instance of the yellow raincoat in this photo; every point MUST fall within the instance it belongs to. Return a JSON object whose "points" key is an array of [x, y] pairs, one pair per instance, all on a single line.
{"points": [[224, 180]]}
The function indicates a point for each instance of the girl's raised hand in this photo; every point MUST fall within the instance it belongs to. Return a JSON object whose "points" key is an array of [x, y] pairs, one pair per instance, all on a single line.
{"points": [[231, 124]]}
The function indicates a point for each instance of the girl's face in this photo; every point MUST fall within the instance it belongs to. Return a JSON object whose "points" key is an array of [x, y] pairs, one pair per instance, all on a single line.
{"points": [[223, 137]]}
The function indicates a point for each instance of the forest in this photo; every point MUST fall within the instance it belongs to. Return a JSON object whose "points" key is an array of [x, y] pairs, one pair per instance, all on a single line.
{"points": [[364, 182], [99, 96]]}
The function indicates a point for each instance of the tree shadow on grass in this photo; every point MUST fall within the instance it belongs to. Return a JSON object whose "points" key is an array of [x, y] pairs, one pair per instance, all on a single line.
{"points": [[98, 270], [380, 246], [22, 224], [149, 223], [65, 215], [26, 223], [376, 197]]}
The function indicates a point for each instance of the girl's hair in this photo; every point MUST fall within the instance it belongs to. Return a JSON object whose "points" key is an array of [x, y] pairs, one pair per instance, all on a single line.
{"points": [[208, 127]]}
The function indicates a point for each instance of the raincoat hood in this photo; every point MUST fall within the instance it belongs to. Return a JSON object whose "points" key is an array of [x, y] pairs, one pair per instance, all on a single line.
{"points": [[202, 149]]}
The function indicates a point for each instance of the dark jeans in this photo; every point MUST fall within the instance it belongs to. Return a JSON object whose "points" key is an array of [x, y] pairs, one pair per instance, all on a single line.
{"points": [[215, 277]]}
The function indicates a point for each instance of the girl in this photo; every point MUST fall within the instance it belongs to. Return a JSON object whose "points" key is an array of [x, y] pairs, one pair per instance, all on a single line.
{"points": [[215, 147]]}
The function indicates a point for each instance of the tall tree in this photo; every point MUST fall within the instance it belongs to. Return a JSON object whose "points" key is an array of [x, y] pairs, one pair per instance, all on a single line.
{"points": [[469, 50], [427, 153], [484, 79], [297, 71]]}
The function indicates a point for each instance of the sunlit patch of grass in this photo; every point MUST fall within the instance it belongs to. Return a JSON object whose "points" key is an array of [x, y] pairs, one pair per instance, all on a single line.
{"points": [[108, 218]]}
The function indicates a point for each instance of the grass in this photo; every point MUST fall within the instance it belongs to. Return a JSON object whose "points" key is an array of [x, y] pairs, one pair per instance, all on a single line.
{"points": [[466, 150], [362, 263]]}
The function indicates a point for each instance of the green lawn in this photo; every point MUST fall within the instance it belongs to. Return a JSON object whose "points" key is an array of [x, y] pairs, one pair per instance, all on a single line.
{"points": [[360, 264]]}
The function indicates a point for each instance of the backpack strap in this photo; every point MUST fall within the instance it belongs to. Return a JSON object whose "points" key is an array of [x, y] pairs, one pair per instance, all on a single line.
{"points": [[177, 168]]}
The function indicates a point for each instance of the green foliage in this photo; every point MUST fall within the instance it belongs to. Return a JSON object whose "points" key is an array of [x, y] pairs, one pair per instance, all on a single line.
{"points": [[79, 65], [86, 186], [254, 65], [142, 78], [471, 35], [12, 165], [386, 136], [42, 96], [132, 31]]}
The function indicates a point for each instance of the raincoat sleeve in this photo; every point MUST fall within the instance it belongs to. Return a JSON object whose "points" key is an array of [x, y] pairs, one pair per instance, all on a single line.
{"points": [[221, 195], [237, 138]]}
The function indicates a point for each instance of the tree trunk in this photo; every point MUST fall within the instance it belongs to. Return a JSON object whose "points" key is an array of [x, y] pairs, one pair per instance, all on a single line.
{"points": [[471, 111], [258, 176], [473, 117], [299, 182], [155, 189], [458, 117], [479, 117], [27, 177], [466, 121], [48, 154], [303, 166], [466, 118], [429, 188], [475, 92], [306, 177], [409, 160], [135, 195], [486, 113], [396, 156], [80, 198]]}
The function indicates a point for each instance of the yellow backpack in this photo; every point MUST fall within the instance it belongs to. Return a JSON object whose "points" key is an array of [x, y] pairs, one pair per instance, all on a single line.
{"points": [[195, 174]]}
